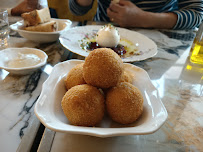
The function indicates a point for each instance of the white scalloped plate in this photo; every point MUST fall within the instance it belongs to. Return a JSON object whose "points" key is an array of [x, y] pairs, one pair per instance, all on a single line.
{"points": [[146, 49], [49, 112]]}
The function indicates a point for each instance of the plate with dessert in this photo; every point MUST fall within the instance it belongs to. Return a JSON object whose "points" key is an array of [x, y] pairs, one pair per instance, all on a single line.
{"points": [[38, 26], [131, 46], [101, 96]]}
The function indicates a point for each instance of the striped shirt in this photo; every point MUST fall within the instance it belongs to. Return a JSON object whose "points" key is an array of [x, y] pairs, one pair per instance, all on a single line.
{"points": [[189, 12]]}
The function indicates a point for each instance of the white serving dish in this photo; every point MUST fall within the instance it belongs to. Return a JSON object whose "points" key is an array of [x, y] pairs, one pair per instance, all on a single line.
{"points": [[42, 37], [49, 112], [71, 39], [10, 54]]}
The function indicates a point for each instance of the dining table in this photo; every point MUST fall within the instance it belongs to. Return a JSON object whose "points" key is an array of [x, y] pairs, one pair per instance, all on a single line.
{"points": [[179, 83]]}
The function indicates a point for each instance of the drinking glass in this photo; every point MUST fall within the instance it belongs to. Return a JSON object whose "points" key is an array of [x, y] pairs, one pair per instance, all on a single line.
{"points": [[4, 28]]}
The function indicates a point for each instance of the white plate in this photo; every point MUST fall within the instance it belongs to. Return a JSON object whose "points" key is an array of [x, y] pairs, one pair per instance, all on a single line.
{"points": [[70, 40], [49, 112], [42, 37], [10, 54]]}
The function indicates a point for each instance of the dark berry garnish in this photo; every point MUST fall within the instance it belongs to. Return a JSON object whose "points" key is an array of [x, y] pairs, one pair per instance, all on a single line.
{"points": [[119, 49], [93, 45]]}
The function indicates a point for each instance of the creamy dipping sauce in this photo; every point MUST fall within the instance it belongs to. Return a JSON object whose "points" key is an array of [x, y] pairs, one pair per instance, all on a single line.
{"points": [[24, 60]]}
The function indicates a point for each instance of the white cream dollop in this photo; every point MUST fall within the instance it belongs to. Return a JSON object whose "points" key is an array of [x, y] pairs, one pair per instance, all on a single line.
{"points": [[108, 36], [24, 60]]}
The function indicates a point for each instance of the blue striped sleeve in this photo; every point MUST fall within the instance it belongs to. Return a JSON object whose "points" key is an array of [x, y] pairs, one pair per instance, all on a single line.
{"points": [[190, 14], [76, 9]]}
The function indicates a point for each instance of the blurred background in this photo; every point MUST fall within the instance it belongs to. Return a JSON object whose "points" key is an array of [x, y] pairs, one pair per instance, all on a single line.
{"points": [[61, 9], [12, 3]]}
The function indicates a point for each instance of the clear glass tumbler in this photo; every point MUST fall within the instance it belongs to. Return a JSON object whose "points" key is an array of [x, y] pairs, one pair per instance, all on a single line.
{"points": [[4, 28]]}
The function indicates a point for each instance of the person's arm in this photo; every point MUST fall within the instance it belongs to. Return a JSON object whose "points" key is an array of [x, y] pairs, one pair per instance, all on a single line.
{"points": [[127, 14], [159, 20], [190, 14], [80, 7], [25, 6]]}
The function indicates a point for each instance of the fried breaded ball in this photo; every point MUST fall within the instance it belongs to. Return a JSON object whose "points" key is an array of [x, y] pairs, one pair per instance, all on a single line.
{"points": [[126, 77], [83, 105], [75, 76], [102, 68], [124, 103]]}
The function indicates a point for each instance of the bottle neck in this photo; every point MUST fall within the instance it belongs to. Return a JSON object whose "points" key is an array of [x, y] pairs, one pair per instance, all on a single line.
{"points": [[199, 36]]}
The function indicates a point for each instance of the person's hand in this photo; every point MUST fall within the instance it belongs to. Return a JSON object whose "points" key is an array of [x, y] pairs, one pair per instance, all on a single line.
{"points": [[25, 6], [126, 14]]}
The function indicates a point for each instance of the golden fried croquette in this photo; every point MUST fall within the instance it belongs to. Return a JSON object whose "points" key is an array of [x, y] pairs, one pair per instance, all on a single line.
{"points": [[126, 77], [83, 105], [124, 103], [75, 76], [102, 68]]}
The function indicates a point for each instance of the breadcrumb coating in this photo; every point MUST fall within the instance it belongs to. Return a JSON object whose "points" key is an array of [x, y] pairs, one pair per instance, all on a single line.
{"points": [[103, 68], [124, 103], [75, 77], [126, 77], [83, 105]]}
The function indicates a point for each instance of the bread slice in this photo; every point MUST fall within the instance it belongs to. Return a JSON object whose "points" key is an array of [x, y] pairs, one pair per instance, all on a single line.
{"points": [[45, 27], [36, 17]]}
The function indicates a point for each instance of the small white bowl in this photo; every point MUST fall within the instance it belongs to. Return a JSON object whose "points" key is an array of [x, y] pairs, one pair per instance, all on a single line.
{"points": [[42, 37], [9, 55]]}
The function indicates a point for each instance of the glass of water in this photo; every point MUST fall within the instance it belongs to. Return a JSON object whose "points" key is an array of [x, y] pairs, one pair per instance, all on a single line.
{"points": [[4, 28]]}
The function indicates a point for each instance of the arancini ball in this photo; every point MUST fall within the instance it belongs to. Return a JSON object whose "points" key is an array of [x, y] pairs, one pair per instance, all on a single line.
{"points": [[103, 68], [75, 76], [124, 103], [83, 105], [126, 77]]}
